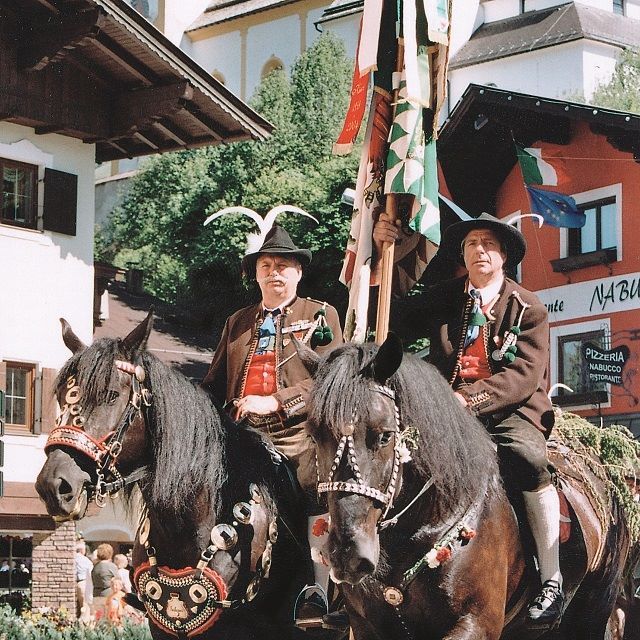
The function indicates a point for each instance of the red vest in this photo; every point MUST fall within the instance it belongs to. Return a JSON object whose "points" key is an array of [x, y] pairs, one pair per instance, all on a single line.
{"points": [[261, 375]]}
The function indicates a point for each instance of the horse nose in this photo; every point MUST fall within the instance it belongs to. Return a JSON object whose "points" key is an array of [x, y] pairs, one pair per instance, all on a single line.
{"points": [[361, 566]]}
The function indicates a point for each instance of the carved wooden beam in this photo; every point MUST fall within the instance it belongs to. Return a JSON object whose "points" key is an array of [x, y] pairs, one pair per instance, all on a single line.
{"points": [[140, 109], [49, 6], [145, 140], [172, 132], [51, 40], [203, 121], [125, 60]]}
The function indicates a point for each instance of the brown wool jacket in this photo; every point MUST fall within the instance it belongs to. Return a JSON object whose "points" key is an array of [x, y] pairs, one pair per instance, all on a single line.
{"points": [[520, 386], [228, 369]]}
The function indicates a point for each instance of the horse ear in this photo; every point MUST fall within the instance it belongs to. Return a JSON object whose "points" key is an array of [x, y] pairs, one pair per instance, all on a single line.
{"points": [[310, 359], [136, 341], [387, 360], [70, 339]]}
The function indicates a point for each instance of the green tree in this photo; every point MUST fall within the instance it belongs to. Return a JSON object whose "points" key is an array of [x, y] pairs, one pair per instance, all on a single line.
{"points": [[159, 226], [623, 90]]}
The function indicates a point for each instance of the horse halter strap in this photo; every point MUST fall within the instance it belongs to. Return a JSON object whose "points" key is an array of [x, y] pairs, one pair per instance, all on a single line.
{"points": [[359, 487], [105, 451]]}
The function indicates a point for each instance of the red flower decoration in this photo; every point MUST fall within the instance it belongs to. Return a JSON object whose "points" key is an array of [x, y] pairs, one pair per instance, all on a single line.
{"points": [[467, 534], [320, 527], [444, 553]]}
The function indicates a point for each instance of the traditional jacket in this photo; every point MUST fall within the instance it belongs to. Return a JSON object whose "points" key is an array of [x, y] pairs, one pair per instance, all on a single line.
{"points": [[228, 372], [518, 386]]}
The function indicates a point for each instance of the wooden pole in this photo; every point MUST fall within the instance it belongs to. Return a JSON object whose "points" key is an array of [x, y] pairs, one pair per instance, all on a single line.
{"points": [[388, 249]]}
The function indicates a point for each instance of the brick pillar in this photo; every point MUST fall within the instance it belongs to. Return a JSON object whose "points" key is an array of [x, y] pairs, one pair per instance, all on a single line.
{"points": [[54, 578]]}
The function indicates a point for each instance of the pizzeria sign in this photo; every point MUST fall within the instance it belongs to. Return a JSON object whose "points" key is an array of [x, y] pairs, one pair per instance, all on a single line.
{"points": [[605, 365]]}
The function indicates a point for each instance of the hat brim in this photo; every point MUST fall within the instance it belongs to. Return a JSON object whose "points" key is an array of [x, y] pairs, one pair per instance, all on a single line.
{"points": [[512, 241], [303, 256]]}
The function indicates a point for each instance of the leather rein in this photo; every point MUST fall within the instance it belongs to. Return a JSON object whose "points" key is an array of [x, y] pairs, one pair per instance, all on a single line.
{"points": [[69, 432]]}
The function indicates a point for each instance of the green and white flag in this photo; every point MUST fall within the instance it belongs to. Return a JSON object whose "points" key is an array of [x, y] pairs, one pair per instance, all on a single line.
{"points": [[412, 166]]}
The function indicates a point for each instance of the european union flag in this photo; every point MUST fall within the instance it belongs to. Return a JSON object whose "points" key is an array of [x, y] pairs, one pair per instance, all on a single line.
{"points": [[557, 209]]}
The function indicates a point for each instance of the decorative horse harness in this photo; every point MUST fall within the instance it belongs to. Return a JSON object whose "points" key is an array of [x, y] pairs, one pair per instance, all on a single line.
{"points": [[405, 441], [184, 602], [105, 451]]}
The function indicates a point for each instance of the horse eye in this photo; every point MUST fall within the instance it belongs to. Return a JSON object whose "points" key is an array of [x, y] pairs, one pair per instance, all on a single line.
{"points": [[385, 438], [112, 396]]}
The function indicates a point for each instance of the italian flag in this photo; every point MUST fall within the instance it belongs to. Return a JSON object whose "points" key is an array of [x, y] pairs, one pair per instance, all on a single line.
{"points": [[538, 170]]}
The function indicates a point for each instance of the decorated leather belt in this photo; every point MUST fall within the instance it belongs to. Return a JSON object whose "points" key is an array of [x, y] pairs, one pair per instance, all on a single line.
{"points": [[270, 422]]}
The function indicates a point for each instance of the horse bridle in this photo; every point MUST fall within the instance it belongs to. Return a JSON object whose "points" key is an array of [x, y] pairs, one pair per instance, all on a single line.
{"points": [[347, 444], [105, 451]]}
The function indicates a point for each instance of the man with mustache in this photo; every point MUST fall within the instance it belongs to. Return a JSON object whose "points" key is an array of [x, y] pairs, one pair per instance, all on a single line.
{"points": [[489, 337], [256, 370]]}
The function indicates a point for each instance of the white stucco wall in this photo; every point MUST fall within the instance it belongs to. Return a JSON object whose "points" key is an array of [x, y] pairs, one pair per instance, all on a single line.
{"points": [[599, 65], [221, 53], [179, 14], [46, 276], [554, 72]]}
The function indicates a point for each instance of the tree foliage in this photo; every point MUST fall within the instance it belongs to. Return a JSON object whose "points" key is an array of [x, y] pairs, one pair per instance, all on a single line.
{"points": [[623, 90], [158, 227]]}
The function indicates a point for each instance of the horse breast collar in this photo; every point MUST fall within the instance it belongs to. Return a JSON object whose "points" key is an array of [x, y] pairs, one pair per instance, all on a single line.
{"points": [[103, 452], [186, 602]]}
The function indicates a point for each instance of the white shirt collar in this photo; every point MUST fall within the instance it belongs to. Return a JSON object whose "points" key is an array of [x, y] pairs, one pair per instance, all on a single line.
{"points": [[489, 292]]}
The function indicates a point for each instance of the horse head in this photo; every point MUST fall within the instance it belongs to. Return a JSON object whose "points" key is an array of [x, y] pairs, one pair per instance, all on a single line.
{"points": [[358, 442], [102, 396]]}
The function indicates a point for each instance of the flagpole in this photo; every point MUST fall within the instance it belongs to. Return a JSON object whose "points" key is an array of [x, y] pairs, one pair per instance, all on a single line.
{"points": [[388, 248]]}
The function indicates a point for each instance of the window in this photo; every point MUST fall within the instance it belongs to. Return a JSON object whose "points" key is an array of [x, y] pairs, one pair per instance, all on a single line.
{"points": [[15, 565], [19, 195], [572, 370], [599, 232], [618, 7], [19, 398]]}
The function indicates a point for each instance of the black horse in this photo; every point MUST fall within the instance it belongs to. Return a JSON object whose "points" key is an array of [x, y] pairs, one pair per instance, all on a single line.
{"points": [[422, 534], [220, 550]]}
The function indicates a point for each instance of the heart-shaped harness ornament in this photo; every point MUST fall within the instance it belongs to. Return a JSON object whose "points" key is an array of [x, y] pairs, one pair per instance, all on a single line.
{"points": [[180, 601]]}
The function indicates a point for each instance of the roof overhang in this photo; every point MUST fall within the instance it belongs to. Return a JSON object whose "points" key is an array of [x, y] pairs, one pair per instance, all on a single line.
{"points": [[476, 144], [136, 92]]}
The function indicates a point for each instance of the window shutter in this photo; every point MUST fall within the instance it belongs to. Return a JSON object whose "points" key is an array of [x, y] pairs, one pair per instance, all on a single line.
{"points": [[60, 201], [49, 403]]}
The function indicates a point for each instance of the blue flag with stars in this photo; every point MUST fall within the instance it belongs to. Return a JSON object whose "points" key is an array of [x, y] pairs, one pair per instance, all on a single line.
{"points": [[556, 209]]}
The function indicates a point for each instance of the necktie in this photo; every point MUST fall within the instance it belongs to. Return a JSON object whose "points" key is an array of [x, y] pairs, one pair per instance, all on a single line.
{"points": [[476, 319], [267, 329]]}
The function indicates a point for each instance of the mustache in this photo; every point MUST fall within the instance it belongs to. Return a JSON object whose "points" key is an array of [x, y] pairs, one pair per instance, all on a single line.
{"points": [[272, 279]]}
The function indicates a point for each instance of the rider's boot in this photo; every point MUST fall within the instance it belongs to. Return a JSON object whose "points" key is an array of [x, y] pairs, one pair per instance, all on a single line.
{"points": [[312, 602], [543, 512]]}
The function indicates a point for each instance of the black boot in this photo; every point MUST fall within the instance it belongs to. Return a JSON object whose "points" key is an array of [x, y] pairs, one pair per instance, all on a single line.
{"points": [[546, 609]]}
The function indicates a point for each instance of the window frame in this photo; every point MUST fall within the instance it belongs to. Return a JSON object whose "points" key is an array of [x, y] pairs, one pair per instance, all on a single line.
{"points": [[576, 401], [34, 169], [598, 195], [30, 396]]}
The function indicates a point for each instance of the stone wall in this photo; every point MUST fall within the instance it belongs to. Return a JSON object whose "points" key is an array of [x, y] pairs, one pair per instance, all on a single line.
{"points": [[54, 578]]}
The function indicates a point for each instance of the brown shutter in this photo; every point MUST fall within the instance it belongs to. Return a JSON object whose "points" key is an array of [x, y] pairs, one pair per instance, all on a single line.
{"points": [[49, 403], [60, 201]]}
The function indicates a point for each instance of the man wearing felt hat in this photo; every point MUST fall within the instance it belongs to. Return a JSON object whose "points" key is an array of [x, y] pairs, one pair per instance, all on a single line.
{"points": [[490, 338], [256, 370]]}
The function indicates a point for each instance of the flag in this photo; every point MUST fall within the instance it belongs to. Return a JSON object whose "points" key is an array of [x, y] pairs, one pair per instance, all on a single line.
{"points": [[557, 209], [536, 169]]}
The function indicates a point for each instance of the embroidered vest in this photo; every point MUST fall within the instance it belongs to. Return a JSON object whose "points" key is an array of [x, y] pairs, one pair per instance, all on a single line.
{"points": [[261, 375]]}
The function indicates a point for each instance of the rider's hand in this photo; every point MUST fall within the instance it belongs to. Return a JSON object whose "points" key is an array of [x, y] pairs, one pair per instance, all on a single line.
{"points": [[385, 231], [260, 405]]}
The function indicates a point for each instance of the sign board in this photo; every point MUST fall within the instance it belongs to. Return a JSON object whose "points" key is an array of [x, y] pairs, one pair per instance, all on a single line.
{"points": [[605, 365], [592, 298]]}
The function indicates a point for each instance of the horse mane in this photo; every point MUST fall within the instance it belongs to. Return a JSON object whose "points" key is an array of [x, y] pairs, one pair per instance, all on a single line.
{"points": [[188, 445], [454, 448]]}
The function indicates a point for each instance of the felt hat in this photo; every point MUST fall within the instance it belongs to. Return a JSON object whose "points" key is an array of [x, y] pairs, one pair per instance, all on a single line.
{"points": [[278, 242], [512, 241]]}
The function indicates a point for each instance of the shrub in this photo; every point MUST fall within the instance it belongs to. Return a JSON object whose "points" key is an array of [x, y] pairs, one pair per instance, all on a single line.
{"points": [[59, 625]]}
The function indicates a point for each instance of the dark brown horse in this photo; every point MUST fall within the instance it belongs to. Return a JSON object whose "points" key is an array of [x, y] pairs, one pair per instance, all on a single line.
{"points": [[422, 535], [212, 558]]}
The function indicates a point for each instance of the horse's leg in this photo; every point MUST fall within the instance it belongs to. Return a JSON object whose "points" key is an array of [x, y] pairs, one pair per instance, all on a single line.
{"points": [[472, 627]]}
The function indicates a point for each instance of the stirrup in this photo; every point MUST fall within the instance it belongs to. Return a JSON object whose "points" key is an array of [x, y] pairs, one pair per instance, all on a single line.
{"points": [[547, 607], [311, 618]]}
